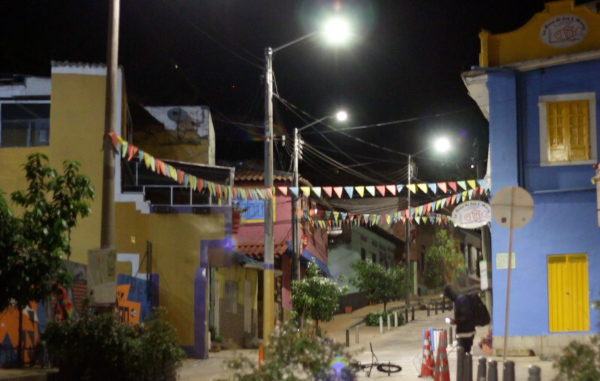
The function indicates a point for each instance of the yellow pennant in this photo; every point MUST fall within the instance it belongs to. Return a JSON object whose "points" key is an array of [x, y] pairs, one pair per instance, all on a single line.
{"points": [[360, 191], [412, 187], [305, 191], [423, 187], [472, 183]]}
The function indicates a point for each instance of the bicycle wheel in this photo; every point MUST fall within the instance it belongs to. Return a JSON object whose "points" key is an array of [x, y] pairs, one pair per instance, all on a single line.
{"points": [[389, 368]]}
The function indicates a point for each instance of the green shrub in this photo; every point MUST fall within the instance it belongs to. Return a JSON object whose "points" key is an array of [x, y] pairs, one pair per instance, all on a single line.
{"points": [[372, 318], [295, 354], [580, 361], [99, 347]]}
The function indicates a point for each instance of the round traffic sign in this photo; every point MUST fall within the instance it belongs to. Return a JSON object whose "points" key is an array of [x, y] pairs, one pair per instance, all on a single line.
{"points": [[512, 207]]}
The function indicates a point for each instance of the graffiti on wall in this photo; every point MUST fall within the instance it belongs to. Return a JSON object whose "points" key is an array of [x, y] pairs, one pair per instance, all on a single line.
{"points": [[9, 329], [133, 300]]}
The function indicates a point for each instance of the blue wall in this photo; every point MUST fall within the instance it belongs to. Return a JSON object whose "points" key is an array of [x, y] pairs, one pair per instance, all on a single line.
{"points": [[564, 221]]}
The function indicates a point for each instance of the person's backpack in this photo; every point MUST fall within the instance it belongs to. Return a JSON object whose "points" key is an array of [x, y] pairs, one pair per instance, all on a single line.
{"points": [[482, 316]]}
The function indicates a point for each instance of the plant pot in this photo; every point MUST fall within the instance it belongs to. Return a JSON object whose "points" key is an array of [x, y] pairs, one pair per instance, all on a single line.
{"points": [[215, 346], [487, 350], [348, 309]]}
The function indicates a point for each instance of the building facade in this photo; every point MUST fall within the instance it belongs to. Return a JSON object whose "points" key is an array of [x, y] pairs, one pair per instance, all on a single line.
{"points": [[538, 86]]}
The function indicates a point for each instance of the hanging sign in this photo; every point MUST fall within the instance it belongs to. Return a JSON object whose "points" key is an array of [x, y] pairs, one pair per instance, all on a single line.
{"points": [[472, 214]]}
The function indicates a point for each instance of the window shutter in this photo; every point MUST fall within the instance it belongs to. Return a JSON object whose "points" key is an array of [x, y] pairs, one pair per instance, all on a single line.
{"points": [[557, 147], [568, 131]]}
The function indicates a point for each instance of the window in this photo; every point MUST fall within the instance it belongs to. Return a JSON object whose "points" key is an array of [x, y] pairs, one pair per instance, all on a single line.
{"points": [[374, 256], [24, 124], [567, 129], [423, 266], [363, 254]]}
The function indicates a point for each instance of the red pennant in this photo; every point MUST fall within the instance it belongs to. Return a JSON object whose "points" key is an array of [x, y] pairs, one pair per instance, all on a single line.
{"points": [[327, 191], [452, 184], [131, 150], [381, 189], [180, 176], [269, 193], [453, 201], [160, 167], [283, 190], [114, 139], [392, 188], [200, 185], [234, 192], [442, 186], [338, 191]]}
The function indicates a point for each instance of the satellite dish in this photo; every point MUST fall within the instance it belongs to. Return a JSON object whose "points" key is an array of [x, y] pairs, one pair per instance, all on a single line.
{"points": [[177, 114]]}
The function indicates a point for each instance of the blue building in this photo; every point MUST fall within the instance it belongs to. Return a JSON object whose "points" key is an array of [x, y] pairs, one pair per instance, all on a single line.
{"points": [[538, 86]]}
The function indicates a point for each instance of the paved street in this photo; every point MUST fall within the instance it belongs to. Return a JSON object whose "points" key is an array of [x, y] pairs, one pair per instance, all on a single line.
{"points": [[402, 346]]}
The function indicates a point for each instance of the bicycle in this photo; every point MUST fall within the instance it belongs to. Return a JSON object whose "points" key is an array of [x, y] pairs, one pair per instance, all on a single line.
{"points": [[388, 367]]}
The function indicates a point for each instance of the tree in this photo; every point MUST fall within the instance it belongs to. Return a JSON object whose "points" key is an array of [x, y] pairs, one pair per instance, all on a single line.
{"points": [[379, 284], [444, 261], [33, 245], [316, 296]]}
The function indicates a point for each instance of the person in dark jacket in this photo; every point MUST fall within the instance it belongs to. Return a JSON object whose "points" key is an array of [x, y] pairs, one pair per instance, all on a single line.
{"points": [[464, 318]]}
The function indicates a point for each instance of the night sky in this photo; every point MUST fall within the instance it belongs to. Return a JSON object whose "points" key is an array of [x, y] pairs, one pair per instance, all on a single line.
{"points": [[401, 69]]}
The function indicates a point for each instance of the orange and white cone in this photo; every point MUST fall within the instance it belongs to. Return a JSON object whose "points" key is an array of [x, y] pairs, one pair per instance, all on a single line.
{"points": [[427, 364], [444, 368], [438, 363]]}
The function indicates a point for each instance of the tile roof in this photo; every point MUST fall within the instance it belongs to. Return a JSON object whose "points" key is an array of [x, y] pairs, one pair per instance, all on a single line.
{"points": [[246, 174], [256, 250]]}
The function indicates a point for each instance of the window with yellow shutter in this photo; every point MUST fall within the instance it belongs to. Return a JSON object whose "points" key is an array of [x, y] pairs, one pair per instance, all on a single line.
{"points": [[568, 129]]}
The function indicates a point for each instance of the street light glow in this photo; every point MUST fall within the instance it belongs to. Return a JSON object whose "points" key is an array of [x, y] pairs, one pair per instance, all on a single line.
{"points": [[341, 116], [337, 30], [442, 145]]}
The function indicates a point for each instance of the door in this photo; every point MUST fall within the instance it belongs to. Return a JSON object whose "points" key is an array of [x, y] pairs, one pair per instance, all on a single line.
{"points": [[568, 300]]}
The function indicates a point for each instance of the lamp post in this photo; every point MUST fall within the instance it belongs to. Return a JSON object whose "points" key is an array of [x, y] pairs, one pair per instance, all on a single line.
{"points": [[336, 30], [441, 145], [341, 116]]}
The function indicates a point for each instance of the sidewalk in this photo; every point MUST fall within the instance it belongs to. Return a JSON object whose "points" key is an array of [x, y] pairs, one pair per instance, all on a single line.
{"points": [[402, 346]]}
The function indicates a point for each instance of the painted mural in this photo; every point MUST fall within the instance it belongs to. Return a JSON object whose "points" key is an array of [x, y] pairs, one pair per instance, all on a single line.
{"points": [[133, 299]]}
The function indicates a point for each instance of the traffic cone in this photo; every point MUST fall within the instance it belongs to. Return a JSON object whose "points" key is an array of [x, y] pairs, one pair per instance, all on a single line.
{"points": [[427, 364], [444, 368], [436, 369]]}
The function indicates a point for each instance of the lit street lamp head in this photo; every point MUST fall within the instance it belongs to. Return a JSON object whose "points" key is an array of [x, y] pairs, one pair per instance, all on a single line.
{"points": [[341, 116], [337, 30], [442, 145]]}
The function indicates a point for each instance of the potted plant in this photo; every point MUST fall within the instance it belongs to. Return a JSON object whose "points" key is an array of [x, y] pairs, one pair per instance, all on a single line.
{"points": [[348, 309], [486, 344]]}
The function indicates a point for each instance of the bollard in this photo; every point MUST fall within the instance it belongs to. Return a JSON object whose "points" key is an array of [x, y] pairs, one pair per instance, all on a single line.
{"points": [[347, 337], [436, 307], [535, 373], [492, 370], [396, 319], [381, 324], [406, 315], [468, 367], [451, 341], [413, 314], [443, 305], [508, 373], [428, 306], [388, 321], [460, 364], [481, 371], [356, 338]]}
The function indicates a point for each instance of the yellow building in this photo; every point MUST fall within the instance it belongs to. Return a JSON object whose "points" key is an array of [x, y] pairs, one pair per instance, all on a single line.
{"points": [[63, 117]]}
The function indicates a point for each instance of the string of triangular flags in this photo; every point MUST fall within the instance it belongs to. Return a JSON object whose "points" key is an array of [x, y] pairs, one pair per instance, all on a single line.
{"points": [[390, 189], [422, 214], [130, 152]]}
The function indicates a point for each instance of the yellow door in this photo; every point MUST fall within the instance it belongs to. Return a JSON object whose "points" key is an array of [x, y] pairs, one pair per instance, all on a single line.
{"points": [[568, 301]]}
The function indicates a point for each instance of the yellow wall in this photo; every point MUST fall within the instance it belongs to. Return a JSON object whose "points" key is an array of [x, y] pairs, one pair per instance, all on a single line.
{"points": [[76, 130], [176, 255], [526, 44], [239, 275]]}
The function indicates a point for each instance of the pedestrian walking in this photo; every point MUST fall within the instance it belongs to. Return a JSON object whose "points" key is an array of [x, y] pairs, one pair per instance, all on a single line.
{"points": [[464, 317]]}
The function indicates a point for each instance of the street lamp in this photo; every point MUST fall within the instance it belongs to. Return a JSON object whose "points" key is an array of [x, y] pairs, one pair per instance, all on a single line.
{"points": [[269, 266], [340, 116], [441, 145]]}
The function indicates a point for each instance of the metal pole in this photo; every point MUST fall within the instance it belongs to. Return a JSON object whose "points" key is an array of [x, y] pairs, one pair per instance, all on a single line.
{"points": [[510, 239], [269, 267], [107, 226], [407, 302], [296, 248]]}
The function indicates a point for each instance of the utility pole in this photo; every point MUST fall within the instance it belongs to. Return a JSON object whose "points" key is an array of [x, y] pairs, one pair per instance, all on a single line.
{"points": [[107, 226], [410, 175], [269, 266], [296, 246]]}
